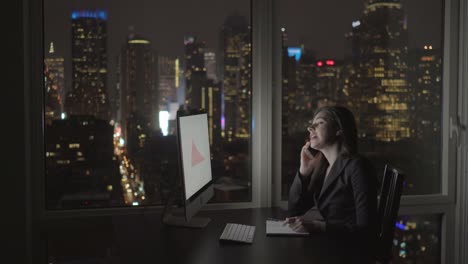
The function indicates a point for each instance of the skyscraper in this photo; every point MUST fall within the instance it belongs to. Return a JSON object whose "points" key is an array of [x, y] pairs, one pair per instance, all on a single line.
{"points": [[138, 97], [81, 170], [380, 47], [425, 75], [53, 103], [329, 87], [195, 71], [211, 102], [56, 72], [210, 64], [300, 88], [237, 84], [168, 81], [89, 64]]}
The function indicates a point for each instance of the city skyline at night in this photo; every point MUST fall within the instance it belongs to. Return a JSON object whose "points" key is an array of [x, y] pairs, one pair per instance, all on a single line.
{"points": [[167, 32], [383, 81], [104, 146], [149, 79], [145, 83]]}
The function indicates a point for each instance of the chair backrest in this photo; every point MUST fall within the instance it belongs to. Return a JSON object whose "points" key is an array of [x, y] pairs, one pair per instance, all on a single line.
{"points": [[389, 204]]}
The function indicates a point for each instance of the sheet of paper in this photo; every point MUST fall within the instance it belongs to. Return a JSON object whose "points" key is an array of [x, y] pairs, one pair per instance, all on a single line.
{"points": [[276, 227]]}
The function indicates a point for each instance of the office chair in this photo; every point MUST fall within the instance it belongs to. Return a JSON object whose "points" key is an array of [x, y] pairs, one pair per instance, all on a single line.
{"points": [[389, 204]]}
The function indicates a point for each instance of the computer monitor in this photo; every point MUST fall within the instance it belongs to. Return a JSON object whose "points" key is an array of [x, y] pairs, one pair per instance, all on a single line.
{"points": [[194, 166]]}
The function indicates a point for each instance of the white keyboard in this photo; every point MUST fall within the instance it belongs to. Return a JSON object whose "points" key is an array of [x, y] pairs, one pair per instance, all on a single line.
{"points": [[238, 233]]}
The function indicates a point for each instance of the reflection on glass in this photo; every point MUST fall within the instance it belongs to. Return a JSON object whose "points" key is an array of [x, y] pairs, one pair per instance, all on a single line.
{"points": [[381, 60], [113, 86], [417, 239]]}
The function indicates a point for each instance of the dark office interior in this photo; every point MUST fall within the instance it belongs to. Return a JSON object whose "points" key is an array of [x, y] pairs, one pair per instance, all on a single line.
{"points": [[47, 220]]}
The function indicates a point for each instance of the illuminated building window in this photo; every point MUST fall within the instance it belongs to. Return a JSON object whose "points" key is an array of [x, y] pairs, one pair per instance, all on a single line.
{"points": [[73, 145]]}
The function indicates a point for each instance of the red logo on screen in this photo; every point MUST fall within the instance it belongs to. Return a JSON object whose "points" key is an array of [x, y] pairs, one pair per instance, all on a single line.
{"points": [[196, 155]]}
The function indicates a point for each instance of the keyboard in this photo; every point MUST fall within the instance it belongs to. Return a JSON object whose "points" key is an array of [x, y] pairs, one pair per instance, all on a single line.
{"points": [[238, 233]]}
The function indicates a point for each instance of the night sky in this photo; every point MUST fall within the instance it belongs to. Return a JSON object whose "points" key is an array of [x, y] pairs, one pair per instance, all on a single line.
{"points": [[320, 25]]}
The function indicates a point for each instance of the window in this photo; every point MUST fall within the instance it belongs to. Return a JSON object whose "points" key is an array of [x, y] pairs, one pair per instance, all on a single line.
{"points": [[116, 74], [417, 239], [382, 60], [58, 74], [390, 63]]}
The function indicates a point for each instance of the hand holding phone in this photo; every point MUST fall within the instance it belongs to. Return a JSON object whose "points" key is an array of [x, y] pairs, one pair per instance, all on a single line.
{"points": [[312, 151], [307, 159]]}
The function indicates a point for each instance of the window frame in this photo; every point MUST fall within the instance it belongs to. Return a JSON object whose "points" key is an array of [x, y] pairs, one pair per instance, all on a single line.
{"points": [[261, 112], [461, 209], [438, 203], [452, 202]]}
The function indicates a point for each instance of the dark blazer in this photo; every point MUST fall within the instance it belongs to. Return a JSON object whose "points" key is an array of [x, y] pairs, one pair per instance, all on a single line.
{"points": [[347, 200]]}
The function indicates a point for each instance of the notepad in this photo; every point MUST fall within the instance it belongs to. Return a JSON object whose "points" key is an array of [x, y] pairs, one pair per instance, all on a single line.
{"points": [[277, 228]]}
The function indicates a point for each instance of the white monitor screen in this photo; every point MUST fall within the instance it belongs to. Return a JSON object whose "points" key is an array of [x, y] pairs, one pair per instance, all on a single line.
{"points": [[195, 147]]}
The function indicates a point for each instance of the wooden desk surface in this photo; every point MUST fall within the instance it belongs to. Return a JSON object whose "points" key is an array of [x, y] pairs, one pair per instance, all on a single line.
{"points": [[143, 239]]}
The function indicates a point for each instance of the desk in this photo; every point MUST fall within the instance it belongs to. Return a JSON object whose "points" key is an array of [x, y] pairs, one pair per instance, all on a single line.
{"points": [[143, 239]]}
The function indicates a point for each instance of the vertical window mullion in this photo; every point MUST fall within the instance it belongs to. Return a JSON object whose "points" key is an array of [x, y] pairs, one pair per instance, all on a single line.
{"points": [[262, 102]]}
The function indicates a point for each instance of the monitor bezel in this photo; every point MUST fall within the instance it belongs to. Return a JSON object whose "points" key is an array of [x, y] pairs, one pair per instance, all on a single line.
{"points": [[200, 192]]}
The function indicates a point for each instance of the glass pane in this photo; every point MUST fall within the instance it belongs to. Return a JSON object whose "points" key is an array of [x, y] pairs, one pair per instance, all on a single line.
{"points": [[115, 74], [380, 59], [417, 239]]}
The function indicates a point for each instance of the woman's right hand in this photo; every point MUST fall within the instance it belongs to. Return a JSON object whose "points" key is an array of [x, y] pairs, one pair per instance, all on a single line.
{"points": [[298, 224], [295, 223], [307, 160]]}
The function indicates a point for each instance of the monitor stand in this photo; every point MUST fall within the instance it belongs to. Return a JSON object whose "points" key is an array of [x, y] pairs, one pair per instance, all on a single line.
{"points": [[175, 220]]}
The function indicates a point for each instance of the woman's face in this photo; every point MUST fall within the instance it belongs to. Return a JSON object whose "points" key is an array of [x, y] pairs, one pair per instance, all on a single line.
{"points": [[321, 131]]}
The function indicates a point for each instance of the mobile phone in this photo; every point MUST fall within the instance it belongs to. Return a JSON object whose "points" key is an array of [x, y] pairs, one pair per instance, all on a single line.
{"points": [[312, 151]]}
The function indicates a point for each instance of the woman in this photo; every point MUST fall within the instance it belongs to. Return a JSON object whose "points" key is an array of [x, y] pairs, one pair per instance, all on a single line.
{"points": [[335, 189]]}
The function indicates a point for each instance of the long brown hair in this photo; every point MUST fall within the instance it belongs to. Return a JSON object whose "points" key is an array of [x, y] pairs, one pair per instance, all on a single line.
{"points": [[342, 119]]}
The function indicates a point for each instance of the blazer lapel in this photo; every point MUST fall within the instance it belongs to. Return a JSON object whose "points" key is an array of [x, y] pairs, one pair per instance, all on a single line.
{"points": [[335, 171]]}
